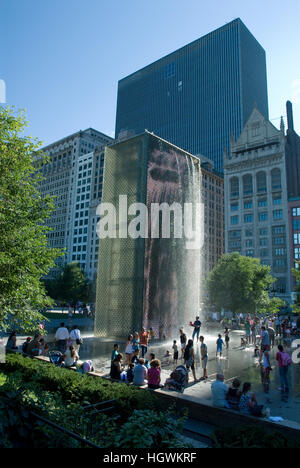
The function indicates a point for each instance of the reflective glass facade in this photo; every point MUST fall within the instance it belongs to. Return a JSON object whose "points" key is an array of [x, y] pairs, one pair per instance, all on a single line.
{"points": [[200, 94]]}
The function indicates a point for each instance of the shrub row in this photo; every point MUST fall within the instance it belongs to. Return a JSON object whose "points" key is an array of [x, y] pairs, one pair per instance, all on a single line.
{"points": [[80, 389]]}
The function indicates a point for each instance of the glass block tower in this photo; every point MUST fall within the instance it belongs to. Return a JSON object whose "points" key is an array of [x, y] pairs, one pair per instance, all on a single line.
{"points": [[198, 95]]}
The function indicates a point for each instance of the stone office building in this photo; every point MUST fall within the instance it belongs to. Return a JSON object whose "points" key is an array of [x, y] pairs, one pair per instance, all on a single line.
{"points": [[256, 199], [74, 176]]}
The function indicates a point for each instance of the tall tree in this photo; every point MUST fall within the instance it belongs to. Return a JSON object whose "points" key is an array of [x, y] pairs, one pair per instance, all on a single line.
{"points": [[24, 254], [72, 286], [239, 284]]}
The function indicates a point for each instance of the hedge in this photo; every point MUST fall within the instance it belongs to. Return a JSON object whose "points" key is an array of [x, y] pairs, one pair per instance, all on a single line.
{"points": [[81, 389]]}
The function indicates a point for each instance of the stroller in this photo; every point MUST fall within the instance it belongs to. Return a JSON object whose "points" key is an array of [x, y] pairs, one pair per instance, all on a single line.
{"points": [[56, 358], [177, 379]]}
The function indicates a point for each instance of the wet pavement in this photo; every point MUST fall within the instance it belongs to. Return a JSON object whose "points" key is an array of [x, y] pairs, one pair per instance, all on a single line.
{"points": [[235, 362]]}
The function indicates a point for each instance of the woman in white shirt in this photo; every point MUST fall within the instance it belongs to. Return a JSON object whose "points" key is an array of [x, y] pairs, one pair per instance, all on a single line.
{"points": [[75, 336], [70, 357], [129, 350]]}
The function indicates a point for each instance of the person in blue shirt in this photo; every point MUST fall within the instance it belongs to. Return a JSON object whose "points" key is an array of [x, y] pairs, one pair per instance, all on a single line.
{"points": [[197, 328], [220, 344]]}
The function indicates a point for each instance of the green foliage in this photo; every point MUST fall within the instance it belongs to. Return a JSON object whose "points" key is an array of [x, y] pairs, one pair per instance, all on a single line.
{"points": [[239, 284], [272, 307], [251, 437], [63, 403], [70, 286], [24, 254], [159, 430], [76, 388]]}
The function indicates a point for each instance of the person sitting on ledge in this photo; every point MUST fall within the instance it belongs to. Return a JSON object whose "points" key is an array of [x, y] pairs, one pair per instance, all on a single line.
{"points": [[135, 358], [248, 403], [154, 375], [140, 373], [70, 357], [117, 367], [11, 344], [130, 373], [234, 395], [219, 391]]}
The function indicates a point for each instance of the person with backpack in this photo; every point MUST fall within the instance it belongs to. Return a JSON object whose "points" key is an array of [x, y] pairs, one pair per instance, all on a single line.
{"points": [[284, 362], [75, 336]]}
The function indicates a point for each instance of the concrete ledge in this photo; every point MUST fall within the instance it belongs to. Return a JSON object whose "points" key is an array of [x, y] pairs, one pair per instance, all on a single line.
{"points": [[218, 417]]}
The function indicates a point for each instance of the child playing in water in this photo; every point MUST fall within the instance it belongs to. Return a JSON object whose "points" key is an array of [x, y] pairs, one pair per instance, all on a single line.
{"points": [[227, 339], [175, 350], [220, 344]]}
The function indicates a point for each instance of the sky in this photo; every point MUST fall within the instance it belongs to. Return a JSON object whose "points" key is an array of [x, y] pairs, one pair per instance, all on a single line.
{"points": [[61, 59]]}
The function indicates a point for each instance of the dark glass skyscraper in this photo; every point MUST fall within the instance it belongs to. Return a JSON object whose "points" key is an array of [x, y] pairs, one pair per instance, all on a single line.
{"points": [[200, 94]]}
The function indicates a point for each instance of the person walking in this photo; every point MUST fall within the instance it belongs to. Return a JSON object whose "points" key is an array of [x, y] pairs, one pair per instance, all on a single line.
{"points": [[220, 344], [61, 337], [227, 338], [204, 357], [284, 361], [197, 327]]}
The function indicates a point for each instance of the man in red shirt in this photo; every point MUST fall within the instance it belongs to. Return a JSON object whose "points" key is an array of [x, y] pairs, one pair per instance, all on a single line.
{"points": [[144, 338]]}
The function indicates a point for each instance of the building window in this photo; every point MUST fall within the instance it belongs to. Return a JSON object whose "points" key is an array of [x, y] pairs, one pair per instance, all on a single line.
{"points": [[234, 206], [249, 253], [279, 230], [296, 211], [248, 218], [249, 233], [263, 217], [296, 224], [234, 220], [297, 253], [277, 201], [248, 205], [263, 242], [263, 202], [234, 187], [297, 239], [264, 253], [277, 214], [280, 252], [263, 232], [276, 179], [249, 243], [261, 182], [247, 185]]}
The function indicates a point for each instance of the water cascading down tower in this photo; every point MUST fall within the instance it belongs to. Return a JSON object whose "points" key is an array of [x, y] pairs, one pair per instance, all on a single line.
{"points": [[148, 276]]}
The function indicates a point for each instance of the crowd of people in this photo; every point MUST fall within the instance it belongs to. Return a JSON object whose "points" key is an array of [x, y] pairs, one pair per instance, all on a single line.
{"points": [[138, 366]]}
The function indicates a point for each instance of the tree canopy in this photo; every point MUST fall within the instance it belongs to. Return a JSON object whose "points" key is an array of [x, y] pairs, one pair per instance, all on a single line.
{"points": [[70, 285], [24, 254], [239, 284]]}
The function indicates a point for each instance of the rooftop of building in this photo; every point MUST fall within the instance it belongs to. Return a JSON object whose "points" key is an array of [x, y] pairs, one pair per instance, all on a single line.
{"points": [[194, 44], [88, 131]]}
